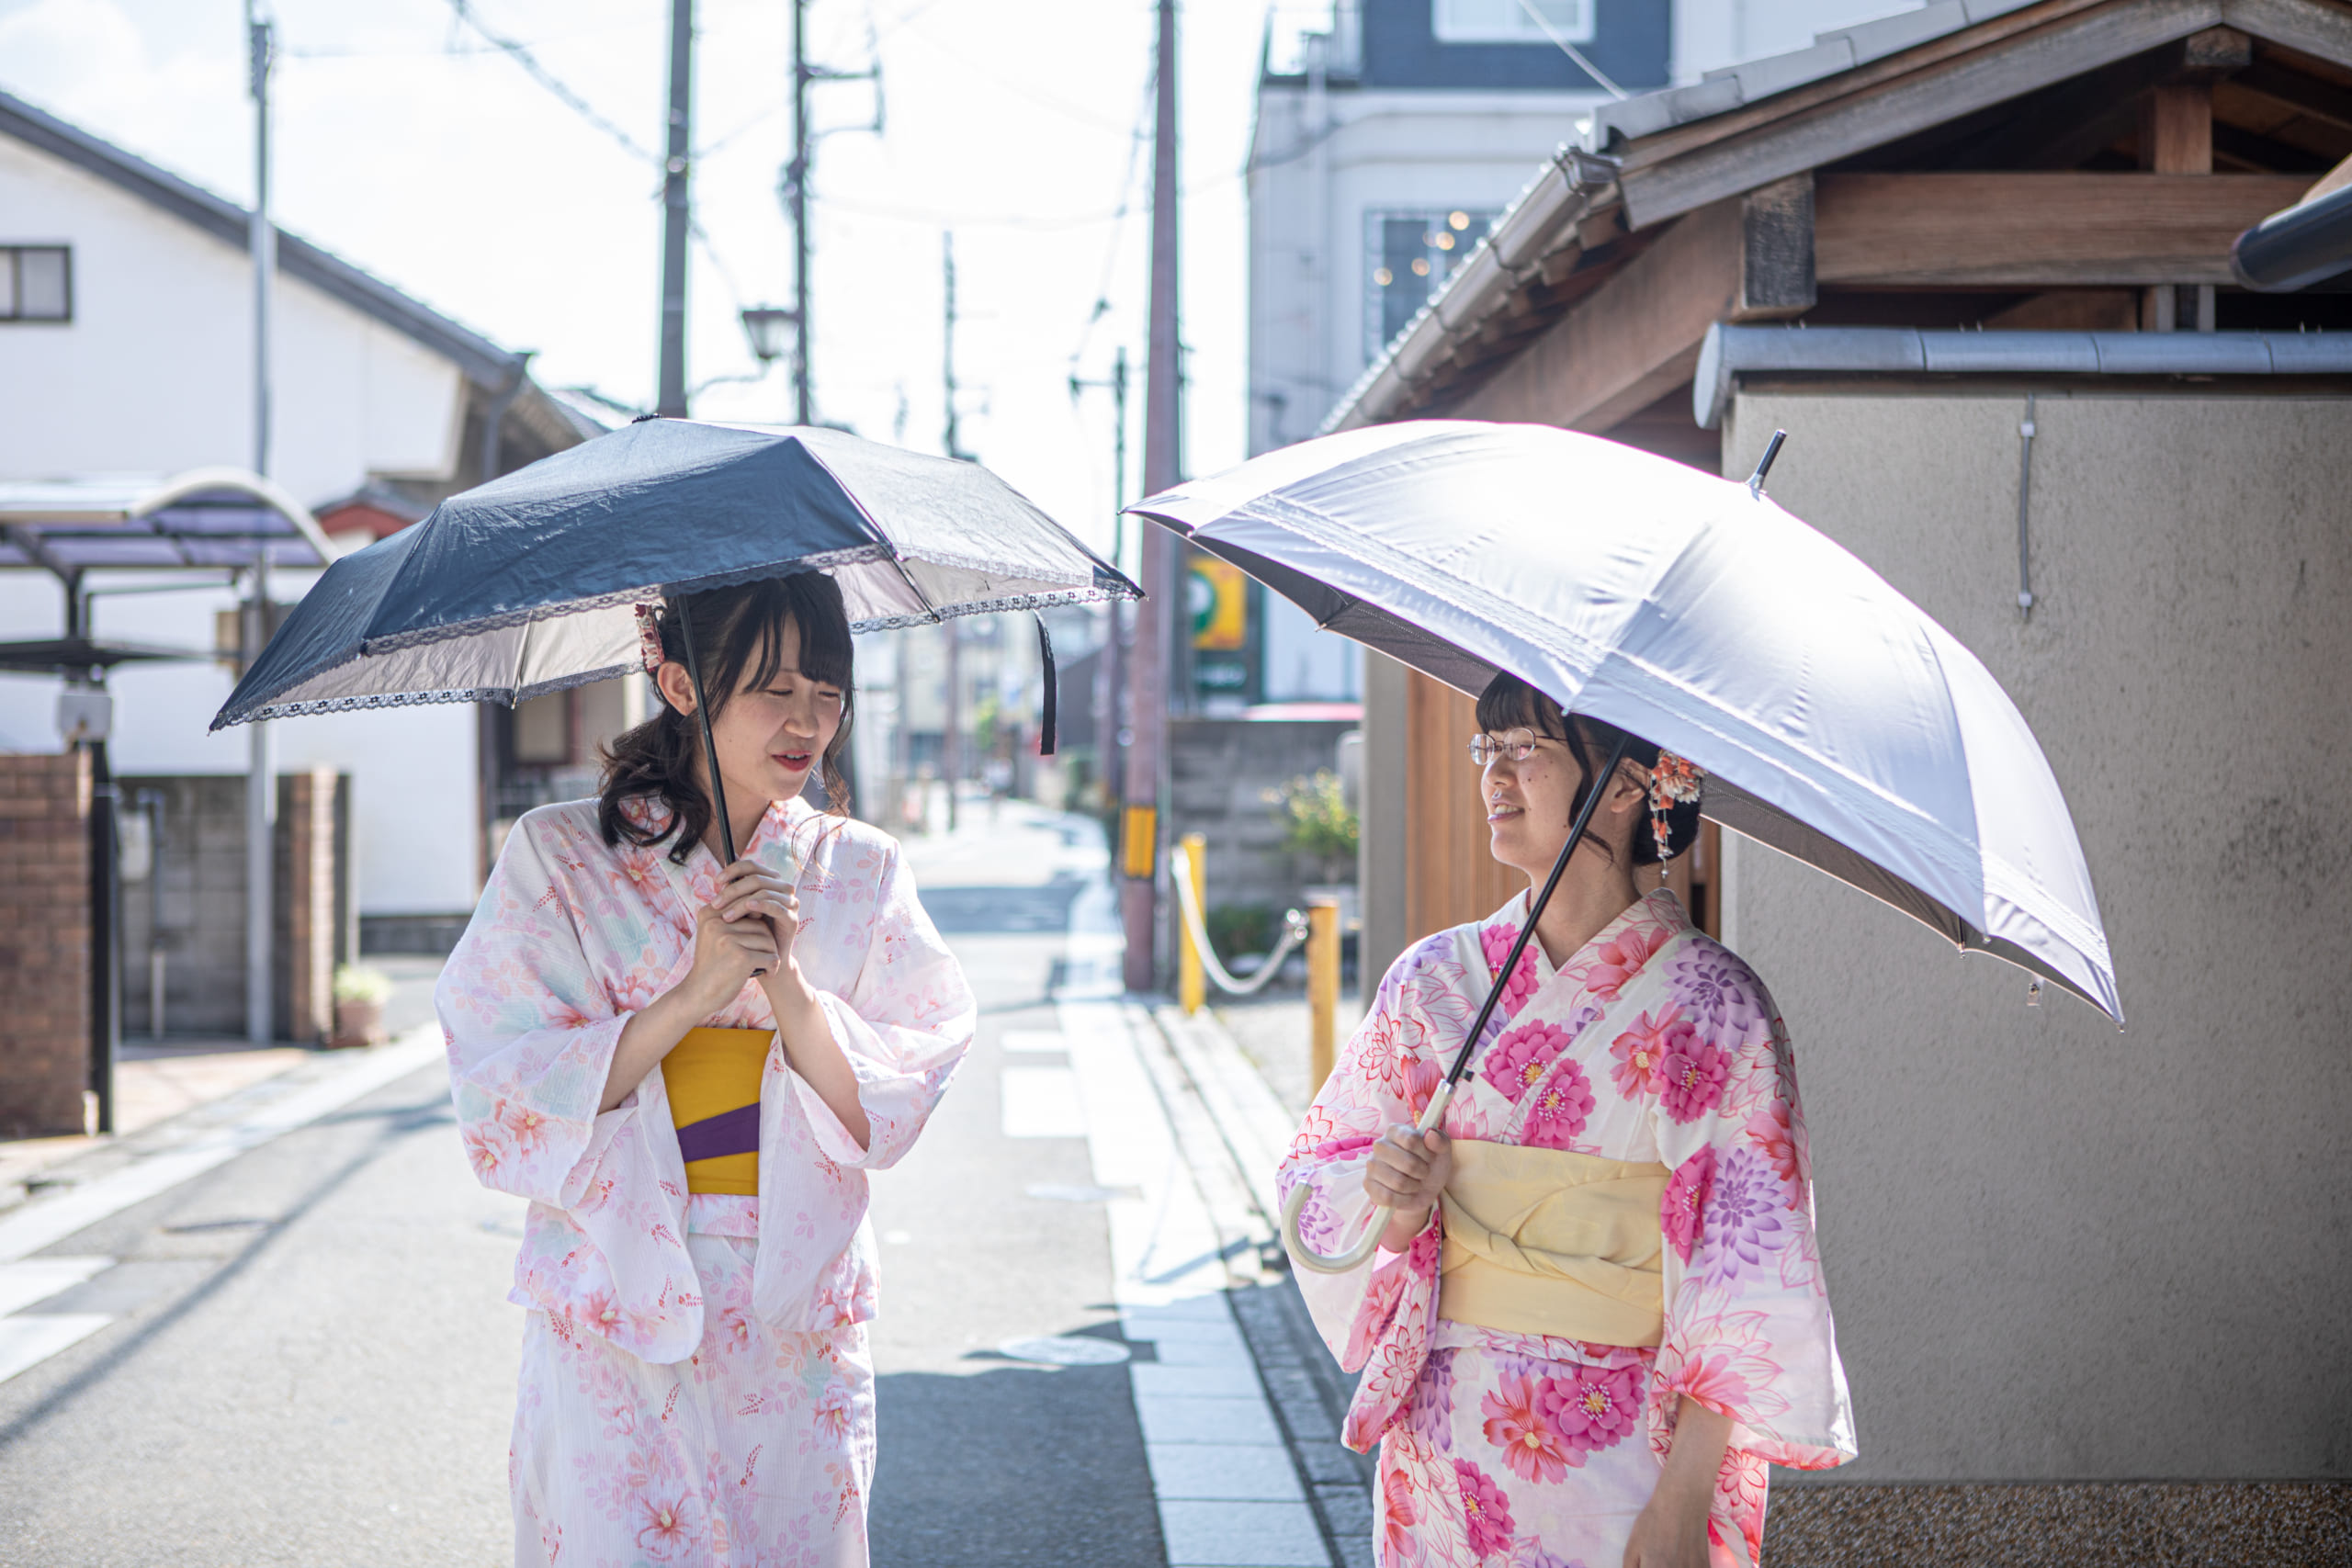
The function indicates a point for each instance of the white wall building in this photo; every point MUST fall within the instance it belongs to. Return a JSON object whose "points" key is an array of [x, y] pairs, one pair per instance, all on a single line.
{"points": [[135, 355], [1390, 133]]}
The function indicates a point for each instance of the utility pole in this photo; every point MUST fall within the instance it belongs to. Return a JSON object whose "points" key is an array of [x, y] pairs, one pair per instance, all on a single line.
{"points": [[1106, 668], [1163, 462], [951, 753], [676, 216], [261, 772], [796, 180], [793, 186]]}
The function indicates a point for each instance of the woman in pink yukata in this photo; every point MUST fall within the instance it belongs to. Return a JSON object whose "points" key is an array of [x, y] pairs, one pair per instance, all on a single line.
{"points": [[688, 1067], [1596, 1312]]}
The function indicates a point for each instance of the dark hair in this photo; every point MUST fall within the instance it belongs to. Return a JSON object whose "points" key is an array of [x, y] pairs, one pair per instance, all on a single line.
{"points": [[1508, 703], [738, 634]]}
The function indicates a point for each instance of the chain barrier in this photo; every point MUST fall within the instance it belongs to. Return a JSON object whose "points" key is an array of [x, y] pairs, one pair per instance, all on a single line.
{"points": [[1293, 933]]}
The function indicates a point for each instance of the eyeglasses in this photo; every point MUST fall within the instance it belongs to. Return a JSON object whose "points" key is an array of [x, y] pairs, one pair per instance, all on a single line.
{"points": [[1517, 744]]}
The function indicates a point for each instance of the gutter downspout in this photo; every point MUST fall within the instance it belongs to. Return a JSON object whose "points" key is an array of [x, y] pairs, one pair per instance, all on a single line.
{"points": [[2306, 243], [1730, 351]]}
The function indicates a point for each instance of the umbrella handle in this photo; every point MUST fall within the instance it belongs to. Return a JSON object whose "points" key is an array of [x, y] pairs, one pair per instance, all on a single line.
{"points": [[1306, 1256], [709, 748]]}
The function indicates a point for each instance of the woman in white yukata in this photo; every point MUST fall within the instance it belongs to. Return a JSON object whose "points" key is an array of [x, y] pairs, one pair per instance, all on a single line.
{"points": [[688, 1067], [1596, 1312]]}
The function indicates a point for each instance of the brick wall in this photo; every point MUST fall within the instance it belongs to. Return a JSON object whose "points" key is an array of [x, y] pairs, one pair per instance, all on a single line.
{"points": [[304, 908], [44, 943]]}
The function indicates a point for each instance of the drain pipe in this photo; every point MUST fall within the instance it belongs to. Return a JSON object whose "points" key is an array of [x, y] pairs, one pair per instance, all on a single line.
{"points": [[2025, 511]]}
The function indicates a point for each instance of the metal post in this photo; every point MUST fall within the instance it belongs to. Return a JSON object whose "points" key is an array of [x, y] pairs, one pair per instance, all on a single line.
{"points": [[261, 772], [796, 182], [1322, 990], [1162, 467], [1192, 979], [676, 216], [951, 741]]}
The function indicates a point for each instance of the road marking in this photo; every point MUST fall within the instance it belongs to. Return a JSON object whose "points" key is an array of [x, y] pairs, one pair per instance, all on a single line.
{"points": [[1034, 1040], [29, 1340], [47, 1221], [1042, 1103], [37, 1278]]}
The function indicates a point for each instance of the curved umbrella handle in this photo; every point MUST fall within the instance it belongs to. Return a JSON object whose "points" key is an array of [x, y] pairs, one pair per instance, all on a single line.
{"points": [[1306, 1257]]}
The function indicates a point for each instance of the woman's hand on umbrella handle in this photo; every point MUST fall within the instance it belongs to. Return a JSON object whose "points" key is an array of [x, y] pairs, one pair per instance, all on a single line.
{"points": [[1409, 1169], [727, 953]]}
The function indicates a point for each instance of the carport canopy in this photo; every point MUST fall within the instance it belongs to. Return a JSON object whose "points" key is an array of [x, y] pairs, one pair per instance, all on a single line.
{"points": [[205, 519]]}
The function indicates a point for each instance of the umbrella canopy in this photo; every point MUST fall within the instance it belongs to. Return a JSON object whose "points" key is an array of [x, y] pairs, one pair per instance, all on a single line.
{"points": [[528, 584], [1837, 721]]}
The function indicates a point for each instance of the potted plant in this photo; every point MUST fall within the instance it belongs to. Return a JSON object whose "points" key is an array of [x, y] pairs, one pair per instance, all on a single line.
{"points": [[359, 998]]}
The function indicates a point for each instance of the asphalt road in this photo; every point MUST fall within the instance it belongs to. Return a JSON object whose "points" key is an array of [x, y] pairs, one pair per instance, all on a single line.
{"points": [[312, 1360]]}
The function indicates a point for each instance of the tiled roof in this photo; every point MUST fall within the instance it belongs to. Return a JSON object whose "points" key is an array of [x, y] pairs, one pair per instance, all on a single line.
{"points": [[1752, 81]]}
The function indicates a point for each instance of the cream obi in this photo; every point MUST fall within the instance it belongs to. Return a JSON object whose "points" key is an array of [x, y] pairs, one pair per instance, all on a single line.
{"points": [[1546, 1241]]}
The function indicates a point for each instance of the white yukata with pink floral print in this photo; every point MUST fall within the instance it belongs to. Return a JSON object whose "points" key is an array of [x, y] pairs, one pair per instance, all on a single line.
{"points": [[1652, 1044], [696, 1385]]}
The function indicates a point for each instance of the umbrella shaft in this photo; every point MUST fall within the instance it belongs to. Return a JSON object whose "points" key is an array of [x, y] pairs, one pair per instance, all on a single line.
{"points": [[1535, 909]]}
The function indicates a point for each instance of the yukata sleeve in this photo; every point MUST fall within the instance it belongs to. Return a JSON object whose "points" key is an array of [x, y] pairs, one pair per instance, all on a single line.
{"points": [[531, 1034], [1376, 1318], [1748, 1327], [905, 1026]]}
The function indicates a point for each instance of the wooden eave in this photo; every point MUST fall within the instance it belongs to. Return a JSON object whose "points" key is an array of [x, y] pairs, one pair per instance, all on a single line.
{"points": [[1880, 142]]}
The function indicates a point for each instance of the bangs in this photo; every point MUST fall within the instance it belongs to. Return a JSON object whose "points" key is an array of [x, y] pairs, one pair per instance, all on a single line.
{"points": [[1510, 702]]}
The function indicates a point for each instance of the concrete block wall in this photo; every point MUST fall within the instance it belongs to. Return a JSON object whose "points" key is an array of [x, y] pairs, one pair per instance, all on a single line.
{"points": [[1219, 772], [44, 943], [201, 906]]}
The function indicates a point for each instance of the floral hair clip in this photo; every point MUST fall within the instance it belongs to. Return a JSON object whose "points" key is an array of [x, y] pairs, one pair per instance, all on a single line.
{"points": [[649, 637], [1675, 781]]}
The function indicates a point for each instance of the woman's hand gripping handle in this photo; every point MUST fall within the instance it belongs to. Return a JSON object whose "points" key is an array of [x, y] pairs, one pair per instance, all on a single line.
{"points": [[1409, 1169]]}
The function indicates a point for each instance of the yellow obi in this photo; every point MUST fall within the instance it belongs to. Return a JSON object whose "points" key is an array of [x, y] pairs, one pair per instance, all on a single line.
{"points": [[713, 1077], [1546, 1241]]}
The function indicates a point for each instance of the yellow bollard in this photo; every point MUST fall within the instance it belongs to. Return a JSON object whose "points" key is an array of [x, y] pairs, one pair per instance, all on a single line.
{"points": [[1191, 981], [1322, 990]]}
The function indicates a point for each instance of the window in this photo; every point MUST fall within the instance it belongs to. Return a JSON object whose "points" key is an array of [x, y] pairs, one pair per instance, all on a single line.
{"points": [[1512, 21], [36, 283], [1410, 254]]}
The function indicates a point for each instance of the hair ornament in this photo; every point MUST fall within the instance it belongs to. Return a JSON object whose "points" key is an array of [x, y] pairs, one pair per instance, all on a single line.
{"points": [[1675, 781], [649, 637]]}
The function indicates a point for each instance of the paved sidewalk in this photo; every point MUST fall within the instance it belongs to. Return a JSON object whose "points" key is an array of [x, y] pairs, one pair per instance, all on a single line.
{"points": [[157, 1081]]}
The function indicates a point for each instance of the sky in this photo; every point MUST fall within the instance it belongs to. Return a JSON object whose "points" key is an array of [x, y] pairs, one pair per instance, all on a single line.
{"points": [[407, 145]]}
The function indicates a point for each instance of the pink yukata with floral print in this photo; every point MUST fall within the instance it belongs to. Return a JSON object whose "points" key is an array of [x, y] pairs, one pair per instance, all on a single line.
{"points": [[696, 1387], [1651, 1044]]}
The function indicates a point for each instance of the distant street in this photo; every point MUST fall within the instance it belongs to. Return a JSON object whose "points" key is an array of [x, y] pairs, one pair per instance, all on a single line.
{"points": [[309, 1358]]}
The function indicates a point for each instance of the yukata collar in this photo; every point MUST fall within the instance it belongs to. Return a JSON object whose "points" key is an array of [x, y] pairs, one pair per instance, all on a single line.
{"points": [[1658, 907], [777, 823]]}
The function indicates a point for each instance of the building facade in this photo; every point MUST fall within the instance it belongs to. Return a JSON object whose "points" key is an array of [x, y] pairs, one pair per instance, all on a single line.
{"points": [[1974, 260], [126, 345]]}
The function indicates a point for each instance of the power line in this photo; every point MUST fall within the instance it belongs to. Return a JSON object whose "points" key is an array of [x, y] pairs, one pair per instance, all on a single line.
{"points": [[521, 54]]}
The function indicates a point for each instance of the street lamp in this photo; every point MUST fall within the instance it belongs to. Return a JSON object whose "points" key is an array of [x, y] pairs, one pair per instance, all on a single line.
{"points": [[765, 325]]}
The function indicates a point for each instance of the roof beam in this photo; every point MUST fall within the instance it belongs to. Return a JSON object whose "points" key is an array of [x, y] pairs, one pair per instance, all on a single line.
{"points": [[2037, 229], [1635, 339]]}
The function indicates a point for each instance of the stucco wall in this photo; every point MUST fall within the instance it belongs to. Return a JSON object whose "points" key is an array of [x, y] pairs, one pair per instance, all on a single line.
{"points": [[154, 375], [2056, 1251]]}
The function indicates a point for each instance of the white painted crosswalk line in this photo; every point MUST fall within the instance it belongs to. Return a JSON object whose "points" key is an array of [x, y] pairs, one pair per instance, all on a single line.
{"points": [[34, 1279], [1041, 1102], [34, 1337]]}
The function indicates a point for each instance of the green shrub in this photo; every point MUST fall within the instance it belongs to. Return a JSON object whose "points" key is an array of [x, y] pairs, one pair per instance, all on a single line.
{"points": [[1315, 818], [353, 983], [1237, 928]]}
